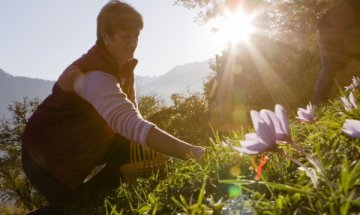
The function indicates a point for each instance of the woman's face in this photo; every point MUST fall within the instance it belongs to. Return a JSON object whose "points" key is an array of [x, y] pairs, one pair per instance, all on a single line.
{"points": [[122, 45]]}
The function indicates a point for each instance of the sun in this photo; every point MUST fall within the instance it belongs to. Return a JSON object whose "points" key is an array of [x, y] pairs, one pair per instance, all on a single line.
{"points": [[235, 26], [239, 26]]}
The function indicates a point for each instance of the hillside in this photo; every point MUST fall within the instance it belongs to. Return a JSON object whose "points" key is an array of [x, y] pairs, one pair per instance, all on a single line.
{"points": [[179, 79], [14, 88], [189, 76]]}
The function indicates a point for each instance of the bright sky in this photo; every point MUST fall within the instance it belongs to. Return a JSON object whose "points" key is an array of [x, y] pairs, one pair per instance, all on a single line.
{"points": [[39, 38]]}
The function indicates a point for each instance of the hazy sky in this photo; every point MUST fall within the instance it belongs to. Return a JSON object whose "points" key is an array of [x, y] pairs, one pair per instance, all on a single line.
{"points": [[39, 38]]}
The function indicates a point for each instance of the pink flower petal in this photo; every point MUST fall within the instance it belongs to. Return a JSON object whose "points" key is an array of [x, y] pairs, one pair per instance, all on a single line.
{"points": [[252, 137], [270, 116], [252, 147], [306, 115], [352, 100], [346, 103], [266, 133], [281, 113], [256, 119], [351, 128]]}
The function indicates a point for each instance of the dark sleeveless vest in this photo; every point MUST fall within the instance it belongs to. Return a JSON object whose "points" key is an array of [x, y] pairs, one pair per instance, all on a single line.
{"points": [[65, 135]]}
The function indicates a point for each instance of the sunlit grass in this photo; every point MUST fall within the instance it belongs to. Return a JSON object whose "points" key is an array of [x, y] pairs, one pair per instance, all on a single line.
{"points": [[226, 182]]}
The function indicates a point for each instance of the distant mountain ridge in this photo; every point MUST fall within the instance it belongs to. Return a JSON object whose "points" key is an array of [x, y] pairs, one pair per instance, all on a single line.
{"points": [[189, 76], [14, 88]]}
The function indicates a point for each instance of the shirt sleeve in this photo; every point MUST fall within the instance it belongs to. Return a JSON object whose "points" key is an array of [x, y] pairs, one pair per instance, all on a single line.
{"points": [[103, 92]]}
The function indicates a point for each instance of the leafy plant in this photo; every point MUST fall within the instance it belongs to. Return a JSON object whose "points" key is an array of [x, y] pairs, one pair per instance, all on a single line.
{"points": [[15, 188], [226, 181]]}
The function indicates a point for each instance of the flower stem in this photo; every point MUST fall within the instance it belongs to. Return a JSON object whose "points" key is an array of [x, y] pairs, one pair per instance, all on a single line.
{"points": [[313, 160], [311, 175]]}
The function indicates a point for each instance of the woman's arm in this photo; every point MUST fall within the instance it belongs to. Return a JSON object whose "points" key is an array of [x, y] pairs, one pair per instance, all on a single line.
{"points": [[104, 93], [165, 143]]}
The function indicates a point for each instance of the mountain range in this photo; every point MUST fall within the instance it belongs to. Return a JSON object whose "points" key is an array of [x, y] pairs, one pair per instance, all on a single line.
{"points": [[178, 80]]}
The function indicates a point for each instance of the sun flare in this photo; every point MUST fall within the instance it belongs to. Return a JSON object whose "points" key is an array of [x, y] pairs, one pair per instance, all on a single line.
{"points": [[235, 26]]}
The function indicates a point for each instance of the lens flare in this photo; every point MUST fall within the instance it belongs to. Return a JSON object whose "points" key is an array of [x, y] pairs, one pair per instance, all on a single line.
{"points": [[235, 171], [235, 26], [234, 191]]}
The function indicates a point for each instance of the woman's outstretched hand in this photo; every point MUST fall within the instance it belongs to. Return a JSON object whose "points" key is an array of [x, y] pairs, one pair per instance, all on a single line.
{"points": [[165, 143]]}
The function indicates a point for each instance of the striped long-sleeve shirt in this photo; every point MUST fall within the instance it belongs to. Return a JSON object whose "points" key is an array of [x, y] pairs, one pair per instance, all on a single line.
{"points": [[103, 92]]}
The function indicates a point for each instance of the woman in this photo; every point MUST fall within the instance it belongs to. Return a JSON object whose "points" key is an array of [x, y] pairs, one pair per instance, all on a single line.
{"points": [[91, 116]]}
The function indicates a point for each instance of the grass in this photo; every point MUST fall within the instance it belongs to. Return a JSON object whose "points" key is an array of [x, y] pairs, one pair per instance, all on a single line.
{"points": [[224, 181]]}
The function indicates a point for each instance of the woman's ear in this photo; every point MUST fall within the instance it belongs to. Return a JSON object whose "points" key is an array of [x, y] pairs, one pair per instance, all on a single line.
{"points": [[105, 38]]}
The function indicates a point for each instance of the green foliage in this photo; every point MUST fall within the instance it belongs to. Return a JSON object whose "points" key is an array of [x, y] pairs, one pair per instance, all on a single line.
{"points": [[16, 191], [183, 187], [186, 118], [149, 105], [224, 181]]}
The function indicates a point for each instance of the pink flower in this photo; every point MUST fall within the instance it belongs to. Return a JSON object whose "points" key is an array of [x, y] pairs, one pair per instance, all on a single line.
{"points": [[279, 121], [269, 127], [307, 114], [351, 128], [350, 103], [355, 84], [259, 142], [282, 133]]}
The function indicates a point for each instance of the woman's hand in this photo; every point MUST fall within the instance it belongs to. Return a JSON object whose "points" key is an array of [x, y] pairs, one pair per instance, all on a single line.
{"points": [[165, 143], [198, 151]]}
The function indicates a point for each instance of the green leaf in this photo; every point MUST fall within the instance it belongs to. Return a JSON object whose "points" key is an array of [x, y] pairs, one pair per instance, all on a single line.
{"points": [[202, 190], [345, 206], [284, 187], [178, 203], [144, 209], [345, 175], [183, 201], [152, 198], [354, 176], [280, 202]]}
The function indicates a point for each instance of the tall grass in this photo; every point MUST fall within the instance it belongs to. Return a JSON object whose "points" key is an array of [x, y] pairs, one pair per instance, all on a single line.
{"points": [[226, 182]]}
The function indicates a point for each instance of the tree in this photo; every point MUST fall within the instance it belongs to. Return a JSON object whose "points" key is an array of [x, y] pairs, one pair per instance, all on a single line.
{"points": [[279, 64], [16, 190], [187, 118], [149, 105]]}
